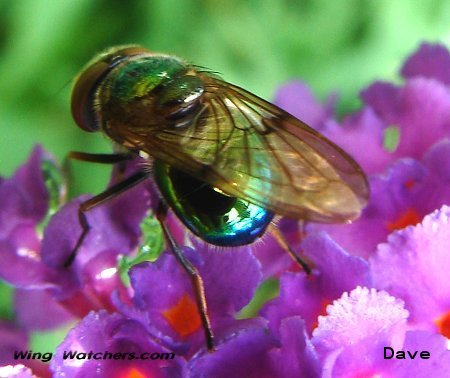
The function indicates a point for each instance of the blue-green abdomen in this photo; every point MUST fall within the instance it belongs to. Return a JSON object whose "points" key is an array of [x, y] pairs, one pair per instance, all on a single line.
{"points": [[213, 216]]}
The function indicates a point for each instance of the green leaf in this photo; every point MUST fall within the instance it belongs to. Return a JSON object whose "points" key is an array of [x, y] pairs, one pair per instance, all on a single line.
{"points": [[44, 342], [6, 300], [151, 248], [391, 138], [268, 290], [56, 189]]}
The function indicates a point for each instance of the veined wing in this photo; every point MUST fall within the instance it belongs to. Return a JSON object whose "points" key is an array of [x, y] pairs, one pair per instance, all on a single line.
{"points": [[251, 149]]}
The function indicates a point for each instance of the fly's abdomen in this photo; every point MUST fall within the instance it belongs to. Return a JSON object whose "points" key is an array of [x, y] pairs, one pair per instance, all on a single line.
{"points": [[210, 214]]}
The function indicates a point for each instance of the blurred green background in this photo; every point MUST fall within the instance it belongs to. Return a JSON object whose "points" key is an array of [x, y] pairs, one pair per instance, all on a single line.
{"points": [[258, 44]]}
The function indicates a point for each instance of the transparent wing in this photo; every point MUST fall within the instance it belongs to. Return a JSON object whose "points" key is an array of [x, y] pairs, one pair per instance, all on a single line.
{"points": [[249, 148]]}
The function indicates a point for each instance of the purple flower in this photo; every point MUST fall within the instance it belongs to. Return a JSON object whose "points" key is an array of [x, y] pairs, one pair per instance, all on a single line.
{"points": [[395, 122], [114, 226], [297, 98], [401, 136], [255, 352], [164, 300], [24, 202], [297, 356], [13, 340], [273, 258], [163, 316], [246, 354], [24, 197], [16, 371], [420, 110], [421, 254], [30, 314], [111, 345], [369, 130], [401, 196], [430, 61], [341, 326], [307, 296], [365, 327], [35, 263]]}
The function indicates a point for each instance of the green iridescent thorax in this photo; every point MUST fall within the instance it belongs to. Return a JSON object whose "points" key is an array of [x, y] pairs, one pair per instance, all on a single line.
{"points": [[147, 92], [138, 76], [127, 99]]}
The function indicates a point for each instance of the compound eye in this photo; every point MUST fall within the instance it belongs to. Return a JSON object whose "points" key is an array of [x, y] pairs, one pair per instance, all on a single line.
{"points": [[87, 82], [82, 103]]}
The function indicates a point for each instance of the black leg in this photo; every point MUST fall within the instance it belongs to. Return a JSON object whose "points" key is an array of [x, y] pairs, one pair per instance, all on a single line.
{"points": [[113, 158], [97, 200], [193, 273], [285, 245], [100, 158]]}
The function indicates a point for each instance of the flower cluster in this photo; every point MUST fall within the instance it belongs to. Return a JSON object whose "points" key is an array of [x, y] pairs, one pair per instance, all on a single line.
{"points": [[376, 304]]}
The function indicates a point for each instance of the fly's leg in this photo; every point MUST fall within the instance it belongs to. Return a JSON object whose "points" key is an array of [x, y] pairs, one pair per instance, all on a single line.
{"points": [[279, 237], [103, 197], [100, 158], [93, 158], [100, 199], [197, 282]]}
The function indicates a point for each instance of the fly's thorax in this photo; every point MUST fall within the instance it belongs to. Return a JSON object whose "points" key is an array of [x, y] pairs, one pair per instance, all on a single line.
{"points": [[148, 92], [138, 76]]}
